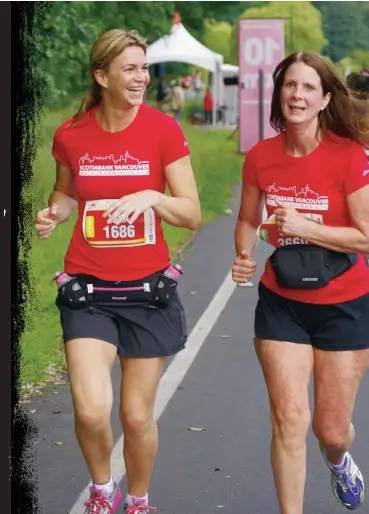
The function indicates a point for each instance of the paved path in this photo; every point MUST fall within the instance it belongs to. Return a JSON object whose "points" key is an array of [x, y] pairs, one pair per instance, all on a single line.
{"points": [[226, 467]]}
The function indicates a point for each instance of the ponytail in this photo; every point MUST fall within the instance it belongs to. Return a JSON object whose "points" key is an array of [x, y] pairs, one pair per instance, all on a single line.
{"points": [[91, 99]]}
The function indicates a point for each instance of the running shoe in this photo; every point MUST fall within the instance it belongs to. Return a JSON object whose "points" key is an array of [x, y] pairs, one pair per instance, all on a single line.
{"points": [[347, 482], [139, 507], [102, 502]]}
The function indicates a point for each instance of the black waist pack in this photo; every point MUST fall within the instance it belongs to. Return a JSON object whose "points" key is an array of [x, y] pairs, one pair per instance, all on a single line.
{"points": [[82, 290], [308, 267], [77, 293]]}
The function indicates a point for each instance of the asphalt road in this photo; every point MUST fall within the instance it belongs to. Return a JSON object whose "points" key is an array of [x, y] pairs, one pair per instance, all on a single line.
{"points": [[225, 468]]}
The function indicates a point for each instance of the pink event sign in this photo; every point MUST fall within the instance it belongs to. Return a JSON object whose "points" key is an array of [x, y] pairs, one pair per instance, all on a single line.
{"points": [[260, 47]]}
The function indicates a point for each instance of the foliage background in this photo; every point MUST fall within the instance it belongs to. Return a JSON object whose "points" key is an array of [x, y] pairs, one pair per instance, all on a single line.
{"points": [[339, 30]]}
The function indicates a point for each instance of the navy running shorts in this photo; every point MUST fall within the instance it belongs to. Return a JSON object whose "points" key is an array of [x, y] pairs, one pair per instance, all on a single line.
{"points": [[340, 326], [137, 331]]}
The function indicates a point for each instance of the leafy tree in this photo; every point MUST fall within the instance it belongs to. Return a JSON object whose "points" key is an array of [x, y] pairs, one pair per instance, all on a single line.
{"points": [[346, 26], [355, 61], [303, 27], [70, 28], [217, 36], [227, 11], [192, 16], [361, 57], [365, 12]]}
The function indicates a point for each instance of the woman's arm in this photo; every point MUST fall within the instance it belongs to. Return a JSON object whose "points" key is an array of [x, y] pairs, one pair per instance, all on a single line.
{"points": [[182, 208], [249, 219], [63, 194], [351, 239]]}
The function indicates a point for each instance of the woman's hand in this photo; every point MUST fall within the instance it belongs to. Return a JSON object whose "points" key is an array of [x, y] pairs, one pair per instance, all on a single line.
{"points": [[243, 268], [131, 206], [47, 220], [289, 221]]}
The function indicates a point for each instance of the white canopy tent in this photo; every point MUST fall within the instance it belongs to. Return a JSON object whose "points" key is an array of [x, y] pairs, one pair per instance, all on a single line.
{"points": [[230, 95], [180, 46], [229, 70]]}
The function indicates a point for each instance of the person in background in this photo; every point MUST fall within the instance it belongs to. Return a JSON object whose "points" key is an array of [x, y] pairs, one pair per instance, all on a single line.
{"points": [[358, 84], [161, 94], [208, 106], [186, 82], [178, 99], [197, 85]]}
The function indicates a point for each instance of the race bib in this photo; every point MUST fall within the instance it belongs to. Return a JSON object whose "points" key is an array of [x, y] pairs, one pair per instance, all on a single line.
{"points": [[101, 234], [268, 232]]}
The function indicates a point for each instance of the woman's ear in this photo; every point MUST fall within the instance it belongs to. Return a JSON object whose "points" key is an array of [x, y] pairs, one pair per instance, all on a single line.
{"points": [[101, 78], [326, 101]]}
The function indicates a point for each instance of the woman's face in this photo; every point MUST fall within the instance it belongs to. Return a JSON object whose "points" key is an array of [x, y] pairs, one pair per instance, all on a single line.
{"points": [[302, 96], [127, 78]]}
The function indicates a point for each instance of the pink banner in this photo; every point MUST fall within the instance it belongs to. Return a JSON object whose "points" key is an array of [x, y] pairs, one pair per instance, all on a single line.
{"points": [[261, 47]]}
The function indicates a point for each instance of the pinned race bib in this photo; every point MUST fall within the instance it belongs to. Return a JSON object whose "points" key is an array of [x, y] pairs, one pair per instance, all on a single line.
{"points": [[268, 231], [100, 234]]}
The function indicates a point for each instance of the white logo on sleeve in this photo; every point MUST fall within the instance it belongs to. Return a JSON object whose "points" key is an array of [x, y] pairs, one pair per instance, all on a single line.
{"points": [[365, 172]]}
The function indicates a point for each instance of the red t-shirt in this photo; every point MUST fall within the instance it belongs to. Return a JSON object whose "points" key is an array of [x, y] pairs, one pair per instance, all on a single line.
{"points": [[108, 166], [208, 101], [316, 185]]}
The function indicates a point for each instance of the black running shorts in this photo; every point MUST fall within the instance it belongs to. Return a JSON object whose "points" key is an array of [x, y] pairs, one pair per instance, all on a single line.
{"points": [[340, 326], [139, 331]]}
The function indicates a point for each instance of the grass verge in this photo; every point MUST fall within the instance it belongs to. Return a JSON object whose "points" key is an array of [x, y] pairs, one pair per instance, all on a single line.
{"points": [[217, 166]]}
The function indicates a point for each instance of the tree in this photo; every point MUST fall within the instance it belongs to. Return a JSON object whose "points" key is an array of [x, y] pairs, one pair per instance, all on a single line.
{"points": [[346, 26], [192, 16], [71, 28], [365, 12], [303, 26], [217, 36], [227, 11], [361, 57], [356, 61], [64, 41]]}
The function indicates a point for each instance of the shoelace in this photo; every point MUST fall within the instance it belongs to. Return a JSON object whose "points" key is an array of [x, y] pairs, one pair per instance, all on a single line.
{"points": [[97, 504], [350, 484], [140, 509]]}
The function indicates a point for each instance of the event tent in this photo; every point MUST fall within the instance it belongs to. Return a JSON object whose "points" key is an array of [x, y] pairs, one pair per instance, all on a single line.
{"points": [[229, 70], [229, 94], [180, 46]]}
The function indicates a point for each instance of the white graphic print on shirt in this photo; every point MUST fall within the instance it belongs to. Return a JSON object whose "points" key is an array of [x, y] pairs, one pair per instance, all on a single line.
{"points": [[303, 199], [111, 165]]}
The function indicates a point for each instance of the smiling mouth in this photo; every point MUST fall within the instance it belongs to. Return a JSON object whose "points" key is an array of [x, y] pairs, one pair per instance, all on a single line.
{"points": [[296, 108], [136, 89]]}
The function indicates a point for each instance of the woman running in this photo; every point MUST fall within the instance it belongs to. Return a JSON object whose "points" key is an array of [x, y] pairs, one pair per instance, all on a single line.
{"points": [[114, 159], [312, 313]]}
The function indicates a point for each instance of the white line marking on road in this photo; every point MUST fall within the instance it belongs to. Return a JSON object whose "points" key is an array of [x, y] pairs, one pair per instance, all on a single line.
{"points": [[173, 375]]}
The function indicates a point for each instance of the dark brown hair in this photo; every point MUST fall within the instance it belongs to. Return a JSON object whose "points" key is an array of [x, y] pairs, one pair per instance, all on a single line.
{"points": [[344, 115], [107, 47], [358, 84]]}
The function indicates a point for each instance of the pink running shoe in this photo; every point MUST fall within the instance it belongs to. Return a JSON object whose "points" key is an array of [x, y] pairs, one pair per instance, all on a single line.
{"points": [[101, 502], [138, 508]]}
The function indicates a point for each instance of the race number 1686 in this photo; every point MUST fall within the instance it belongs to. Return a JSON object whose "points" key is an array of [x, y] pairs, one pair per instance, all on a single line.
{"points": [[119, 231]]}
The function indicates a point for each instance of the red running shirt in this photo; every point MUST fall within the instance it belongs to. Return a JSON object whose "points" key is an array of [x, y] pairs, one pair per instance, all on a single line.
{"points": [[208, 102], [316, 185], [107, 166]]}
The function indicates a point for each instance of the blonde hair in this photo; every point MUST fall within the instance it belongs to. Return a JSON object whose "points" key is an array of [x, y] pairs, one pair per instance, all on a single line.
{"points": [[107, 47]]}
